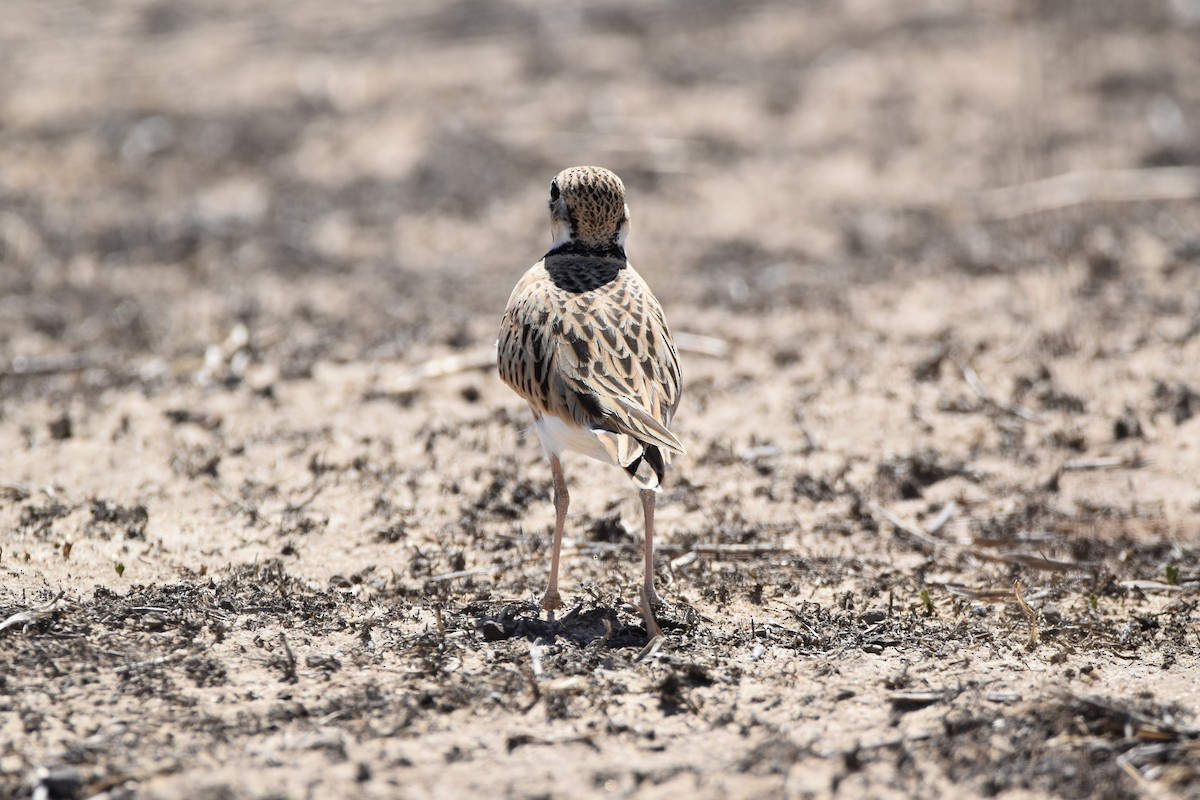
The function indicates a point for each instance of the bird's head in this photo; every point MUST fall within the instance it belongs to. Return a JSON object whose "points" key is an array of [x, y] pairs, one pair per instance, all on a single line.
{"points": [[588, 211]]}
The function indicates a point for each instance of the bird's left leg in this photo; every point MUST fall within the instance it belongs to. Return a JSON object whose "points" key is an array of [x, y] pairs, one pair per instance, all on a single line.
{"points": [[552, 600], [648, 510]]}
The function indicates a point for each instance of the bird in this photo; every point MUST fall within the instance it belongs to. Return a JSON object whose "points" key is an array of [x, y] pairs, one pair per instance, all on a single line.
{"points": [[584, 341]]}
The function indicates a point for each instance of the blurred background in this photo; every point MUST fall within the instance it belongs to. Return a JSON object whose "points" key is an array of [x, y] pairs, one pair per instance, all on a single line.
{"points": [[355, 180], [253, 257]]}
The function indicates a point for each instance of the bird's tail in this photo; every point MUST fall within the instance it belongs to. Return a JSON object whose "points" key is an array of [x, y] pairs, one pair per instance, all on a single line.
{"points": [[643, 462]]}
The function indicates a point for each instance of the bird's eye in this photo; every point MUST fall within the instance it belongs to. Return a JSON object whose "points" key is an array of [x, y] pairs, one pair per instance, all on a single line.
{"points": [[554, 193]]}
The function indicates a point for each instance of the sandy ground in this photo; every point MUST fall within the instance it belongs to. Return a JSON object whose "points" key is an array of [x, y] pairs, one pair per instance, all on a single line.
{"points": [[270, 527]]}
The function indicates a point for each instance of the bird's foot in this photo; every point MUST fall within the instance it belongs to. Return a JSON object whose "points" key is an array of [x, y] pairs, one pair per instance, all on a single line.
{"points": [[552, 600]]}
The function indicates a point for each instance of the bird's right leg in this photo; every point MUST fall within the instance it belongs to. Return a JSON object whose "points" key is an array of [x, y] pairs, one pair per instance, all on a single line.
{"points": [[552, 599]]}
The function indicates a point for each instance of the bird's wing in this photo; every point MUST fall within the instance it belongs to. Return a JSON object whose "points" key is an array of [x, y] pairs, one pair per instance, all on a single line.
{"points": [[596, 354]]}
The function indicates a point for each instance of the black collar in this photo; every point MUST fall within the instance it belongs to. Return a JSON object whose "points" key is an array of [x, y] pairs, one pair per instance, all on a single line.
{"points": [[574, 247]]}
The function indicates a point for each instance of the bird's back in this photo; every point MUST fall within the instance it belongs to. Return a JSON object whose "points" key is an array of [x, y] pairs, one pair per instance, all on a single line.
{"points": [[584, 340]]}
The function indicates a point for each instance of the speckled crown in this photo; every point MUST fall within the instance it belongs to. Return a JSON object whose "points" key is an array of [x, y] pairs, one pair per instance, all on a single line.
{"points": [[594, 201]]}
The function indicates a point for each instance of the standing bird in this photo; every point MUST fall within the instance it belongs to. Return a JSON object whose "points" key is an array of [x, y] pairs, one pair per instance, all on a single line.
{"points": [[586, 344]]}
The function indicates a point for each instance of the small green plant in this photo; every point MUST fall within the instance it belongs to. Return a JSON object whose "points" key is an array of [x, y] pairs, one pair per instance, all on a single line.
{"points": [[926, 600], [1093, 602], [120, 569], [1172, 572]]}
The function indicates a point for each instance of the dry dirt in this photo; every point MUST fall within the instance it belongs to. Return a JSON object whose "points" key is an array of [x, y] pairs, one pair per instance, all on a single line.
{"points": [[940, 520]]}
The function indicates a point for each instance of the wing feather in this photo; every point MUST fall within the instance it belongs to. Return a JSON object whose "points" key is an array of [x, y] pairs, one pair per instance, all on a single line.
{"points": [[601, 358]]}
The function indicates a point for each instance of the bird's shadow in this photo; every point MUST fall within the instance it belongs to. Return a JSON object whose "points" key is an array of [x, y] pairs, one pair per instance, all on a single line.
{"points": [[581, 625]]}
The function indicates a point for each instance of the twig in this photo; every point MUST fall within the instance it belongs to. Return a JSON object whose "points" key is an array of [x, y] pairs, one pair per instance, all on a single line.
{"points": [[1124, 762], [256, 514], [296, 508], [534, 689], [912, 700], [289, 661], [31, 614], [1031, 560], [652, 647], [898, 741], [1029, 612], [704, 548], [331, 717], [535, 659], [685, 560], [1089, 186], [40, 366], [466, 573], [153, 662], [1112, 462], [972, 379], [601, 641], [15, 491], [904, 527], [411, 379], [987, 595], [246, 508], [1151, 586], [945, 515]]}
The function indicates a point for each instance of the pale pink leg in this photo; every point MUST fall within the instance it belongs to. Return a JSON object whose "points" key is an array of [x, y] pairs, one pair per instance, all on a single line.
{"points": [[552, 599], [648, 510]]}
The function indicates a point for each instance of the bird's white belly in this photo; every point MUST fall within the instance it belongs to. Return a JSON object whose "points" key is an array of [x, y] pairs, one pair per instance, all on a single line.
{"points": [[558, 436]]}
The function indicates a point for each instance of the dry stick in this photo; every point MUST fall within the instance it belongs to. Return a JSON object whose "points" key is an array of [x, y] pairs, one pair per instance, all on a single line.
{"points": [[1112, 462], [15, 491], [1124, 762], [37, 366], [412, 379], [256, 514], [153, 662], [464, 573], [601, 641], [289, 664], [944, 516], [534, 689], [707, 548], [987, 595], [1031, 560], [535, 659], [1029, 612], [652, 647], [918, 699], [295, 508], [31, 614], [1090, 186], [246, 508], [972, 379], [911, 530], [1152, 586]]}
